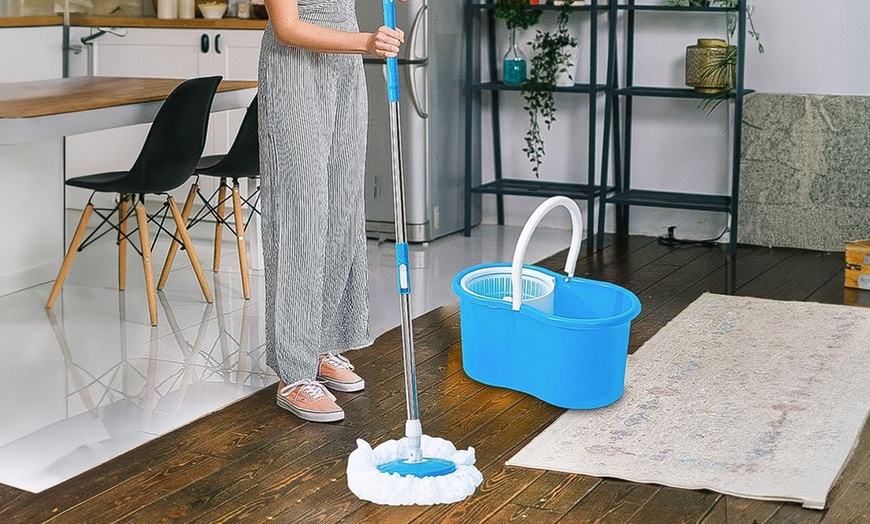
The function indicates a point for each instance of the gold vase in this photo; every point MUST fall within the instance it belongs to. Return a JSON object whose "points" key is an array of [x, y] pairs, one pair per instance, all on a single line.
{"points": [[710, 65]]}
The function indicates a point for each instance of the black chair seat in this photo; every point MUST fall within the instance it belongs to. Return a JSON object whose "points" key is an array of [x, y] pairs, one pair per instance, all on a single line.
{"points": [[224, 169], [112, 182], [229, 166], [210, 161]]}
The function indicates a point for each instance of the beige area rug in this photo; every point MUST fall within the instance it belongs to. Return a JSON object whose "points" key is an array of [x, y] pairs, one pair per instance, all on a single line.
{"points": [[748, 397]]}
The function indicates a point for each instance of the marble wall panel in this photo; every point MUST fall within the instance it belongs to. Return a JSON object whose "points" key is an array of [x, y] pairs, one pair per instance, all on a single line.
{"points": [[805, 170]]}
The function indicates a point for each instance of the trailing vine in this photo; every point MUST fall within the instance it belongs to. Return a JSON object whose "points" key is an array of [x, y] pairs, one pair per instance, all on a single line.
{"points": [[552, 55], [731, 18]]}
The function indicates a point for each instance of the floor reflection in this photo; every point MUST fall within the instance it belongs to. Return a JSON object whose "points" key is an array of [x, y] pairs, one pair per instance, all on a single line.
{"points": [[91, 379]]}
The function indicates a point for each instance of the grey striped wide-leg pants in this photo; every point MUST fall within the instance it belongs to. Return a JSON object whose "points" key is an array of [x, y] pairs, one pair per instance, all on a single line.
{"points": [[312, 125]]}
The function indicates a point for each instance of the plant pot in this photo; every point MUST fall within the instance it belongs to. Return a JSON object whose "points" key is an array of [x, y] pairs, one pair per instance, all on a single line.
{"points": [[514, 65], [711, 65]]}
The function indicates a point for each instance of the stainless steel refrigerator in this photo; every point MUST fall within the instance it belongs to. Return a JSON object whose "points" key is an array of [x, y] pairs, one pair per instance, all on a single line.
{"points": [[432, 98]]}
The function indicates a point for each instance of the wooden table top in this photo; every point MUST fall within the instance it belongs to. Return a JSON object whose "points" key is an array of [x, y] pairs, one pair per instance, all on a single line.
{"points": [[81, 20], [67, 95]]}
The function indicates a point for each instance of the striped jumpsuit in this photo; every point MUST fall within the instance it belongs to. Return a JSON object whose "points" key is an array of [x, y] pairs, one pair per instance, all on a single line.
{"points": [[312, 130]]}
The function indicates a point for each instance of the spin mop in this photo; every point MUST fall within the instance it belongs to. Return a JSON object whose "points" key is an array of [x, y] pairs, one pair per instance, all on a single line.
{"points": [[417, 469]]}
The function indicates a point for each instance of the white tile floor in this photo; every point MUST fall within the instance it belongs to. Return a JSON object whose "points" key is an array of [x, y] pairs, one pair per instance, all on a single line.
{"points": [[92, 379]]}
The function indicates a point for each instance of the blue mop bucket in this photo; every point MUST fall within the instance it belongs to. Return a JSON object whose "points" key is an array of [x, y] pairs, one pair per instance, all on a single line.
{"points": [[563, 339]]}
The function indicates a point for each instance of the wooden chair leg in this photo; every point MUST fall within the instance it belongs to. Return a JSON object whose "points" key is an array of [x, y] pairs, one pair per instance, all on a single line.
{"points": [[151, 292], [122, 243], [173, 247], [240, 238], [219, 227], [70, 255], [188, 246]]}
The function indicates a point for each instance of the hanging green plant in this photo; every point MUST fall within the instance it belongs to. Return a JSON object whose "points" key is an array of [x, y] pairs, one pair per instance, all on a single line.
{"points": [[552, 56], [516, 13]]}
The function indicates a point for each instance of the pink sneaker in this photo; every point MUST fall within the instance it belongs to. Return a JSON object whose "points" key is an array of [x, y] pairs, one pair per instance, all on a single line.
{"points": [[309, 400], [337, 373]]}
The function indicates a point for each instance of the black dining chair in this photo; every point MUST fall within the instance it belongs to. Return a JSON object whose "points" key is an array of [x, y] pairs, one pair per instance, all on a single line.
{"points": [[168, 158], [241, 161]]}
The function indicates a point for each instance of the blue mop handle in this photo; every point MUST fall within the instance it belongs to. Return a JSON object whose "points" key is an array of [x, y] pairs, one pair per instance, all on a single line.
{"points": [[402, 266], [392, 63]]}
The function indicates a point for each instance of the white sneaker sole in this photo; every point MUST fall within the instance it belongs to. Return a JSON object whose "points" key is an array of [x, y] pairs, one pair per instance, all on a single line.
{"points": [[345, 387], [311, 416]]}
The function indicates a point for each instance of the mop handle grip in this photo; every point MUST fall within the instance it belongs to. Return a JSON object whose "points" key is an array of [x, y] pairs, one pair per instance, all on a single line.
{"points": [[392, 63], [403, 275]]}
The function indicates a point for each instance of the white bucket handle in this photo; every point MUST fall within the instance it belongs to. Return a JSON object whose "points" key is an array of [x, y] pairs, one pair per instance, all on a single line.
{"points": [[526, 235]]}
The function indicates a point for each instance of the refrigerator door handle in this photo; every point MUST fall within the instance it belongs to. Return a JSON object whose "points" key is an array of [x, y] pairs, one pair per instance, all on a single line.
{"points": [[414, 34], [417, 61], [415, 95]]}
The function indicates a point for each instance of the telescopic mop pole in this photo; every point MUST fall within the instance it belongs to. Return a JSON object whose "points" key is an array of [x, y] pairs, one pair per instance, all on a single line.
{"points": [[413, 429]]}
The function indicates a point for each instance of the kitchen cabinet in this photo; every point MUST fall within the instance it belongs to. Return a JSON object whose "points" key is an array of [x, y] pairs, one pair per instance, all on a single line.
{"points": [[166, 53], [30, 53]]}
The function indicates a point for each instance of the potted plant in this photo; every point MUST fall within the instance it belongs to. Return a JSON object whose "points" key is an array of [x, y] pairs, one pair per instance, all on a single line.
{"points": [[516, 14], [712, 62]]}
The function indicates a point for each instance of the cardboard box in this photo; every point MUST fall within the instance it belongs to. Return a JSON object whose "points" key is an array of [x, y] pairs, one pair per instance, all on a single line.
{"points": [[858, 264]]}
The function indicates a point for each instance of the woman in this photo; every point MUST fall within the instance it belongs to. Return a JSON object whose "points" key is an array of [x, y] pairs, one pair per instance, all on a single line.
{"points": [[312, 127]]}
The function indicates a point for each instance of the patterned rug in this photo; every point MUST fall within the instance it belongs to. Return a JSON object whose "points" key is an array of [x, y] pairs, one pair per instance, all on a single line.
{"points": [[755, 398]]}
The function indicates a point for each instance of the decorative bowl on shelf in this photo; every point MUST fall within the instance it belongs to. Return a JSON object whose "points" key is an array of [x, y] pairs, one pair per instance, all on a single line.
{"points": [[212, 10]]}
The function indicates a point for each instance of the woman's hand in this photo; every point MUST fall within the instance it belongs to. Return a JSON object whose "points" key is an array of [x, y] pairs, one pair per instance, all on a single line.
{"points": [[385, 42]]}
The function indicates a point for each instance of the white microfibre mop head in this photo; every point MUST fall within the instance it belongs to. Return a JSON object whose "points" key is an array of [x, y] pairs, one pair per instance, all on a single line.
{"points": [[368, 483]]}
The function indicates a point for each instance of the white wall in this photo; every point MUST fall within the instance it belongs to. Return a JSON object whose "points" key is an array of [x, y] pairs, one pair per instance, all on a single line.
{"points": [[809, 48]]}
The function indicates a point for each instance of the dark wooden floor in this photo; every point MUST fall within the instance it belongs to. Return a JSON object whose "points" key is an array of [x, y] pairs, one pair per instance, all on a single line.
{"points": [[252, 462]]}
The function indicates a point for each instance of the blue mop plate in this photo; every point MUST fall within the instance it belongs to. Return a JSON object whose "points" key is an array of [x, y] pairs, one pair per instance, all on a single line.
{"points": [[428, 467]]}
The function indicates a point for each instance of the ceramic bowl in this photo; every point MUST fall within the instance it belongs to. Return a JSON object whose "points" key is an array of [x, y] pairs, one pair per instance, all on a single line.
{"points": [[212, 10]]}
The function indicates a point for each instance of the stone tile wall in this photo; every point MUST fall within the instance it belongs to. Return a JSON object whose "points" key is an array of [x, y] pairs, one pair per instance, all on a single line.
{"points": [[805, 171]]}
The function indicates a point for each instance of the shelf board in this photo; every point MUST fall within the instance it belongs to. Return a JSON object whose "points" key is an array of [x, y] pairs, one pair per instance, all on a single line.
{"points": [[696, 9], [670, 92], [543, 7], [539, 188], [674, 200], [576, 88]]}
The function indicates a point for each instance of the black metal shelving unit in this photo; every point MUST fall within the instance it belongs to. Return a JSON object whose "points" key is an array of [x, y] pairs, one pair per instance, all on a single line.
{"points": [[624, 195], [587, 190]]}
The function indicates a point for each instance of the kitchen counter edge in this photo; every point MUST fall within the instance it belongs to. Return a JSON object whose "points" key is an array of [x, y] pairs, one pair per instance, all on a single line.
{"points": [[132, 21]]}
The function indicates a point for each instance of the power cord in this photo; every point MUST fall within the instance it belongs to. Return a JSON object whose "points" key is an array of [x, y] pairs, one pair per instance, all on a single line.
{"points": [[672, 241]]}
